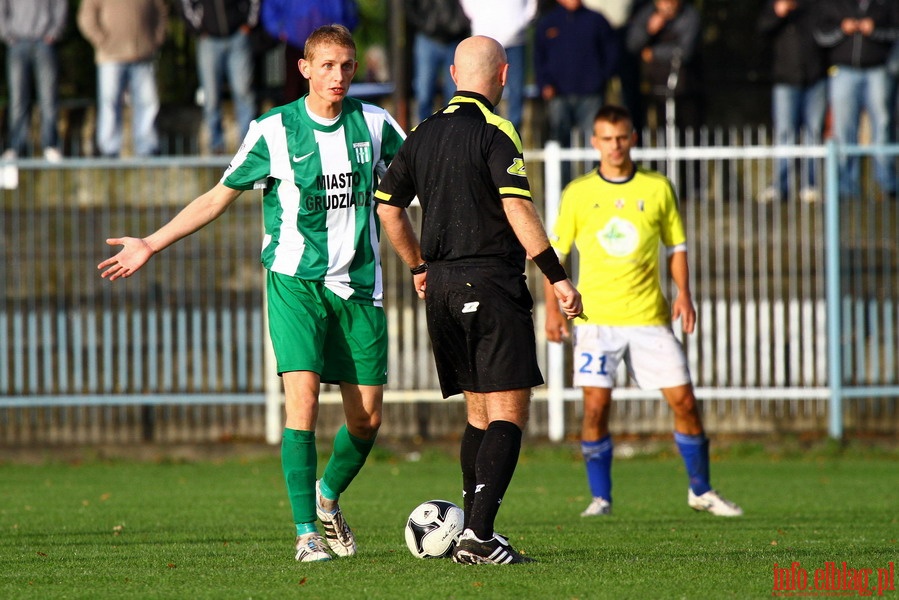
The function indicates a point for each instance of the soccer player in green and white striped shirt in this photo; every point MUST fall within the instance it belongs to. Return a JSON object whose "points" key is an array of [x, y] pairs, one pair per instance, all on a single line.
{"points": [[317, 161]]}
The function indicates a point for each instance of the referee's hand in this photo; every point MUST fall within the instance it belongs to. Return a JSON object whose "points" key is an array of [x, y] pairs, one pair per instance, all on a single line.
{"points": [[569, 298], [420, 281]]}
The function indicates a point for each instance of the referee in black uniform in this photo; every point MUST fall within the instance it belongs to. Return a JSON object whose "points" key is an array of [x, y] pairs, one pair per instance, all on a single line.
{"points": [[478, 226]]}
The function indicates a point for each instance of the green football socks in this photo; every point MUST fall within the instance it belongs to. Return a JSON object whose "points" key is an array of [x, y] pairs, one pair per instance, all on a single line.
{"points": [[347, 458], [299, 463]]}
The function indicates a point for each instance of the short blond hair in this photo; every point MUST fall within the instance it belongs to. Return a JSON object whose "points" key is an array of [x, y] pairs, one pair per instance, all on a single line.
{"points": [[328, 35]]}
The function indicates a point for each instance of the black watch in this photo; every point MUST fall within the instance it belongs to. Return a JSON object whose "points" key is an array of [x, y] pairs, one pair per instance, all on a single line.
{"points": [[419, 269]]}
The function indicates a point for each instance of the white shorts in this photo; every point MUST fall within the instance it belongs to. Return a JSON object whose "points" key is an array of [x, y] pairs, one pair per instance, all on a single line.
{"points": [[654, 358]]}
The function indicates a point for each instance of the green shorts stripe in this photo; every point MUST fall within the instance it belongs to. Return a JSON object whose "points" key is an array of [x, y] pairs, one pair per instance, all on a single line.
{"points": [[314, 329]]}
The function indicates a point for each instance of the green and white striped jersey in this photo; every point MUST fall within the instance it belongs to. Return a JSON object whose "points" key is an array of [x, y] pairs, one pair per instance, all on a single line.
{"points": [[318, 181]]}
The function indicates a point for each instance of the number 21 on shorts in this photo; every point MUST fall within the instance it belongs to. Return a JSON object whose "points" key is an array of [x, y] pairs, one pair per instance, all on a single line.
{"points": [[593, 364]]}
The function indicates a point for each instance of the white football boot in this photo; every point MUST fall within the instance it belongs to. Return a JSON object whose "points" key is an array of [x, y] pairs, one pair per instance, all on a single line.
{"points": [[712, 502]]}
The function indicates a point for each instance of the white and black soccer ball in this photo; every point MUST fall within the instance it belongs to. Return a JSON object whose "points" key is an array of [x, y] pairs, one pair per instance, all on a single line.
{"points": [[433, 529]]}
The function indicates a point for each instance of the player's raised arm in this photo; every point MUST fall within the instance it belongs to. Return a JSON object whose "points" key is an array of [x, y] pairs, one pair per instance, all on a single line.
{"points": [[136, 252]]}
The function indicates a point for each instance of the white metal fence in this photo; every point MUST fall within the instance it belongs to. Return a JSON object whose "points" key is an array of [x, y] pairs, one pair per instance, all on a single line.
{"points": [[180, 347]]}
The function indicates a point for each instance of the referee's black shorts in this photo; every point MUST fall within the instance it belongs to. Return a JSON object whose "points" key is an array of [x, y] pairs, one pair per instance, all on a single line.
{"points": [[481, 328]]}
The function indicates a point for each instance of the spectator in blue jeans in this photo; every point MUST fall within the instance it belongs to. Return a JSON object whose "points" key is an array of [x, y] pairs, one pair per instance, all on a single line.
{"points": [[30, 31], [439, 26], [224, 50], [126, 37], [575, 56], [799, 91], [858, 37]]}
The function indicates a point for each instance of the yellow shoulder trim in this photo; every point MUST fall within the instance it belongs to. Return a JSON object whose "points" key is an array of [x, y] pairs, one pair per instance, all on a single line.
{"points": [[494, 119], [514, 191]]}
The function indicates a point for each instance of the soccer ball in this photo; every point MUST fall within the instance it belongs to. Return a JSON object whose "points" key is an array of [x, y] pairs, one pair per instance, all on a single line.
{"points": [[433, 529]]}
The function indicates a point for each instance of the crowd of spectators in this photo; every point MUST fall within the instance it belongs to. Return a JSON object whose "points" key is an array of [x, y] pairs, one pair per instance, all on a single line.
{"points": [[836, 58], [127, 37]]}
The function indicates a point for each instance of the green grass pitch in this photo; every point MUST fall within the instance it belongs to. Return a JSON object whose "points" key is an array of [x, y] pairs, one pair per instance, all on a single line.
{"points": [[222, 529]]}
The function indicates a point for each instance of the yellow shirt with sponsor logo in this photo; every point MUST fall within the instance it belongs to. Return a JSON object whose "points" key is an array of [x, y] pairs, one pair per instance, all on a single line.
{"points": [[618, 228]]}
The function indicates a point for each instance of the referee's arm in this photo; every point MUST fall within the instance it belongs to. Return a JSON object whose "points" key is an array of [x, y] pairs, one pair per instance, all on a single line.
{"points": [[525, 222], [522, 216], [396, 224]]}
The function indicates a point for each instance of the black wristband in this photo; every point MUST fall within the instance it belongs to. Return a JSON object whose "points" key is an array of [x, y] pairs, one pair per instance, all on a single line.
{"points": [[548, 262], [419, 269]]}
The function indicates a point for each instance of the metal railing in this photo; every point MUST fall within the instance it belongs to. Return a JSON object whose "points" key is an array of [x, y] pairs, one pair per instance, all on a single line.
{"points": [[786, 332], [779, 317]]}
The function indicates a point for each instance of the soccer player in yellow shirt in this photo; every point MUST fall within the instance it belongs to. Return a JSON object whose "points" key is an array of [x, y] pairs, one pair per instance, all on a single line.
{"points": [[618, 216]]}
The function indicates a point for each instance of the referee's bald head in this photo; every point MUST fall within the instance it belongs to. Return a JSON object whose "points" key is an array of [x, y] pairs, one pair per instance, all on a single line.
{"points": [[480, 65]]}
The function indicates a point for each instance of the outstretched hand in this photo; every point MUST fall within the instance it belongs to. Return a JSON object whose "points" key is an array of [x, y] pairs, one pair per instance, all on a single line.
{"points": [[134, 254]]}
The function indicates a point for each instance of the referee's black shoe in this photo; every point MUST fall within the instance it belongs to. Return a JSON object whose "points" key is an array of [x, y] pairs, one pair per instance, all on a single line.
{"points": [[496, 551]]}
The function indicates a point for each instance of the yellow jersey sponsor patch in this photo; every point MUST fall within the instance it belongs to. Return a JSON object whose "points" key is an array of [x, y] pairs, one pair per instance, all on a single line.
{"points": [[517, 168]]}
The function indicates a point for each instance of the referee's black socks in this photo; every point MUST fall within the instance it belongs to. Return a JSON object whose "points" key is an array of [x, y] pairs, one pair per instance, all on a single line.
{"points": [[468, 458], [495, 465]]}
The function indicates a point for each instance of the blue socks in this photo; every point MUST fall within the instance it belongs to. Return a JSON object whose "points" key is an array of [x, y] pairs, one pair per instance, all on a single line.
{"points": [[598, 458], [695, 451]]}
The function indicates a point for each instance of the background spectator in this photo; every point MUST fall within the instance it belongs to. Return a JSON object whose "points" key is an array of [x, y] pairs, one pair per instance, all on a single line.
{"points": [[666, 36], [506, 21], [292, 21], [799, 93], [859, 37], [30, 31], [439, 26], [575, 55], [224, 49], [619, 14], [126, 36]]}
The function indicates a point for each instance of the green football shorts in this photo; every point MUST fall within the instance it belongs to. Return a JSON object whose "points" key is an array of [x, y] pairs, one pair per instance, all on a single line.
{"points": [[314, 329]]}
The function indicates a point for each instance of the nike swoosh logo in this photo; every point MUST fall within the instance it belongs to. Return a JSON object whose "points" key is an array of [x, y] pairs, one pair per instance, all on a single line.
{"points": [[302, 158]]}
